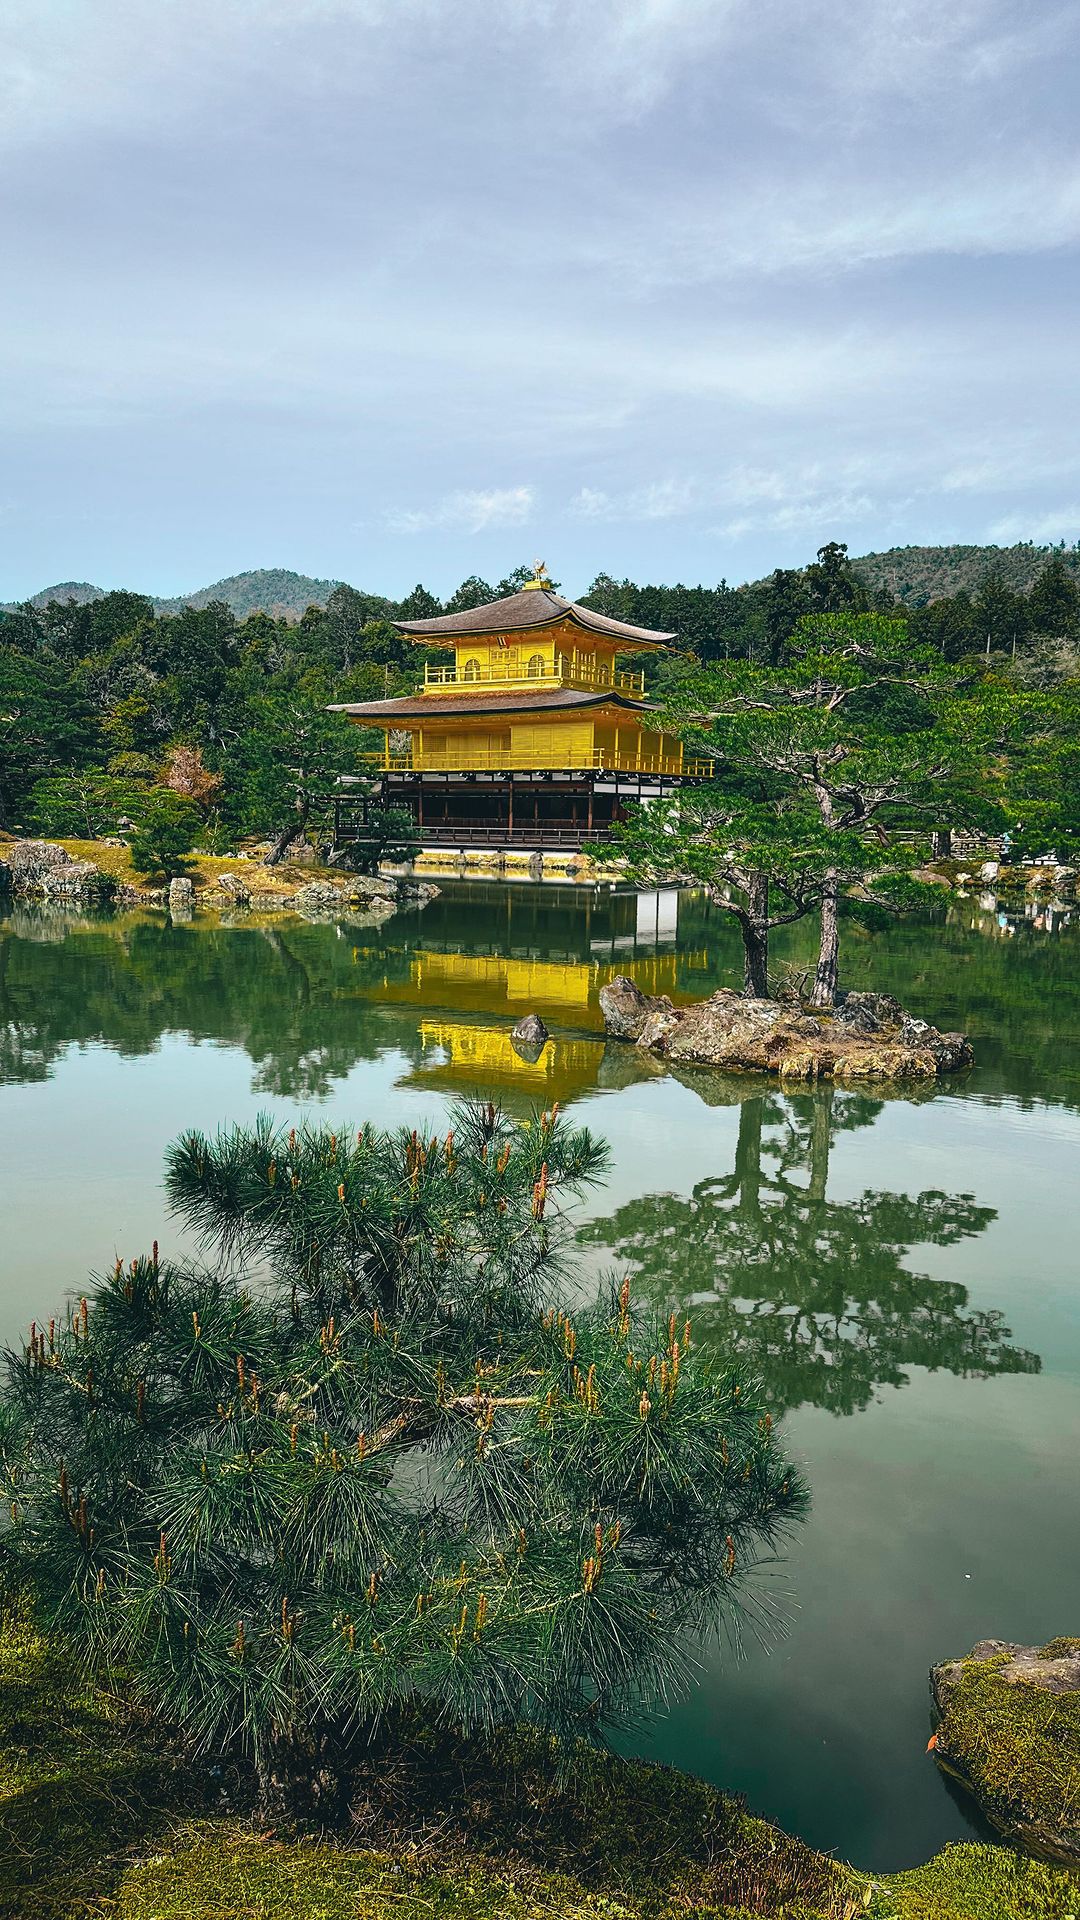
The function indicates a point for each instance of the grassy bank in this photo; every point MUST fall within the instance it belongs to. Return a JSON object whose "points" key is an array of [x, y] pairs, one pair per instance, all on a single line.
{"points": [[206, 870], [101, 1816]]}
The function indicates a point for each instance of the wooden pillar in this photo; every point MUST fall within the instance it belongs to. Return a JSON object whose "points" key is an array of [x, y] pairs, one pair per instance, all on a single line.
{"points": [[589, 819], [510, 810]]}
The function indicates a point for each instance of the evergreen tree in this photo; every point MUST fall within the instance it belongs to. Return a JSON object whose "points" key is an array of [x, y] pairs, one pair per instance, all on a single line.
{"points": [[831, 584], [786, 599], [293, 758], [167, 829], [818, 765], [419, 605], [45, 725], [1054, 603], [394, 1476], [472, 592], [754, 859]]}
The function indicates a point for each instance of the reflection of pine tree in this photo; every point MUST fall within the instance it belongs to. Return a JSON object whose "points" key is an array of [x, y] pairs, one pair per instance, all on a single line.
{"points": [[813, 1293]]}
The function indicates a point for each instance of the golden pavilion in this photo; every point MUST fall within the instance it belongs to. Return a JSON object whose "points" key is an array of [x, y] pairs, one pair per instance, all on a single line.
{"points": [[534, 736]]}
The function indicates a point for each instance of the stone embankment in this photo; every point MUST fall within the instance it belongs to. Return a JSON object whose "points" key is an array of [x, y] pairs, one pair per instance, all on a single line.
{"points": [[1009, 1731], [867, 1036], [42, 870]]}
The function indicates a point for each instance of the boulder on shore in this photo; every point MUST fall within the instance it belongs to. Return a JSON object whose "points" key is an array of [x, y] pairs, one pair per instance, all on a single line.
{"points": [[867, 1036], [1009, 1731], [41, 869]]}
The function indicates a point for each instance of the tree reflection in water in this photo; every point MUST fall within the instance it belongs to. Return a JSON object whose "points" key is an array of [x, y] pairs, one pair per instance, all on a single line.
{"points": [[814, 1293]]}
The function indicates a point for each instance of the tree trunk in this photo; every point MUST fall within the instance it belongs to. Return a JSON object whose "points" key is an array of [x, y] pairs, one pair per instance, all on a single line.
{"points": [[941, 843], [755, 933], [290, 832], [823, 994], [303, 1780]]}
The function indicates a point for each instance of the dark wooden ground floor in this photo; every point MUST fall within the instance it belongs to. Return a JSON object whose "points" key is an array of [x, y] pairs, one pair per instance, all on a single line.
{"points": [[520, 810]]}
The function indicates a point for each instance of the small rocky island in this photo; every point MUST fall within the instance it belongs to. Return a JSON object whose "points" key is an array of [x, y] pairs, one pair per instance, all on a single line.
{"points": [[866, 1036], [1009, 1731]]}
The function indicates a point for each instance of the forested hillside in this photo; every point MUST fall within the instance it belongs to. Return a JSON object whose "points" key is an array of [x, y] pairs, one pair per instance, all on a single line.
{"points": [[913, 575], [918, 575], [274, 590]]}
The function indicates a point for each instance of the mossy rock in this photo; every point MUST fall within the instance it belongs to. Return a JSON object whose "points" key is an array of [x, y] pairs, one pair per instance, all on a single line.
{"points": [[1010, 1732]]}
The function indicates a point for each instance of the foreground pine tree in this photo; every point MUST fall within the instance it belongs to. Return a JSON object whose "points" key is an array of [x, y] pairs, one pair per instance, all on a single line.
{"points": [[364, 1466]]}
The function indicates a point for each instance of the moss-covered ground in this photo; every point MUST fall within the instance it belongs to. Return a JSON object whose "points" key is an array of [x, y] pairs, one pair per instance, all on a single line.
{"points": [[101, 1816], [205, 869]]}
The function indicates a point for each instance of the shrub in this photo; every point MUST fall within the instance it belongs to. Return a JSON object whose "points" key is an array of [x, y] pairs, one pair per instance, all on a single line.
{"points": [[394, 1478], [166, 833]]}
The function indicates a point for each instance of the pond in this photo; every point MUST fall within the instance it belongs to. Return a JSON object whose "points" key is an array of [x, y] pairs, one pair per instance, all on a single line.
{"points": [[901, 1272]]}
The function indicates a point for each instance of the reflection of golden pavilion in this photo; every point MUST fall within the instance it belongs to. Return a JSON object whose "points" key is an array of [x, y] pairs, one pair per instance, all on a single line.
{"points": [[472, 1054], [485, 1059], [499, 984]]}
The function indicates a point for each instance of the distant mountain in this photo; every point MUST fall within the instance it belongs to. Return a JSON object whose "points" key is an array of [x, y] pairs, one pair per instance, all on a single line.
{"points": [[79, 590], [918, 575], [913, 574], [273, 590]]}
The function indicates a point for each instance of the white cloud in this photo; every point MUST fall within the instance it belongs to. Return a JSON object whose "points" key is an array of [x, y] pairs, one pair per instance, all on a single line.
{"points": [[468, 511], [1062, 523], [668, 499], [592, 503]]}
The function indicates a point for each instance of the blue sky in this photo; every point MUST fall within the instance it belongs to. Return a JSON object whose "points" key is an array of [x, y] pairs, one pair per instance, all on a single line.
{"points": [[400, 289]]}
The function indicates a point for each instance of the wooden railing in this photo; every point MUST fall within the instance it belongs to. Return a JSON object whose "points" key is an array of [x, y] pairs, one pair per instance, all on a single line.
{"points": [[587, 674], [465, 759]]}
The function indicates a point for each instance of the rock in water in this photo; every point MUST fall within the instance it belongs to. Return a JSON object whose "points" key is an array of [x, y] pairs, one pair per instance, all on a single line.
{"points": [[181, 898], [529, 1038], [530, 1031], [1009, 1731], [868, 1037]]}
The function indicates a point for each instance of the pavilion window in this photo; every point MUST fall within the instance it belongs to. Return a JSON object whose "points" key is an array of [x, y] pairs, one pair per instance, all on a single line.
{"points": [[472, 670], [536, 666]]}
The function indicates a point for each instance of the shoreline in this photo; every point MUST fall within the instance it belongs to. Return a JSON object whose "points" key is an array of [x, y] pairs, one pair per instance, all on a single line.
{"points": [[99, 874]]}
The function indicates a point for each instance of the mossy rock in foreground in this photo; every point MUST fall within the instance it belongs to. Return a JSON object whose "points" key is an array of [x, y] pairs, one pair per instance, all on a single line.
{"points": [[1010, 1732], [98, 1816]]}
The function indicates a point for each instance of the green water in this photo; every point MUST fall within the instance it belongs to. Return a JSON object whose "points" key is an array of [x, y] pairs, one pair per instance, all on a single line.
{"points": [[901, 1272]]}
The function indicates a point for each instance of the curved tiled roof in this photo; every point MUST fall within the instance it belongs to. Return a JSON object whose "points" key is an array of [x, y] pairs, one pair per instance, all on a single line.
{"points": [[419, 706], [532, 607]]}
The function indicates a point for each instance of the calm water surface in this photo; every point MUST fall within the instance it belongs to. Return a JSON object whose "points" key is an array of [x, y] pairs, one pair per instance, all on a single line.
{"points": [[902, 1273]]}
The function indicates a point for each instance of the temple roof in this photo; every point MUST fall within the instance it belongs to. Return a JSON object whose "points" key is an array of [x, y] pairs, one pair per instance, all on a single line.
{"points": [[419, 706], [525, 611]]}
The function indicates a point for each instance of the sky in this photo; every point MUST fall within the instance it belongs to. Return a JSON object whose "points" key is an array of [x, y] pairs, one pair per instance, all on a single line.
{"points": [[391, 290]]}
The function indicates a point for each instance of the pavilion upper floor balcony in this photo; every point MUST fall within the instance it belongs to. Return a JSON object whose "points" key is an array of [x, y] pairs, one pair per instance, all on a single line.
{"points": [[458, 756], [590, 674]]}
